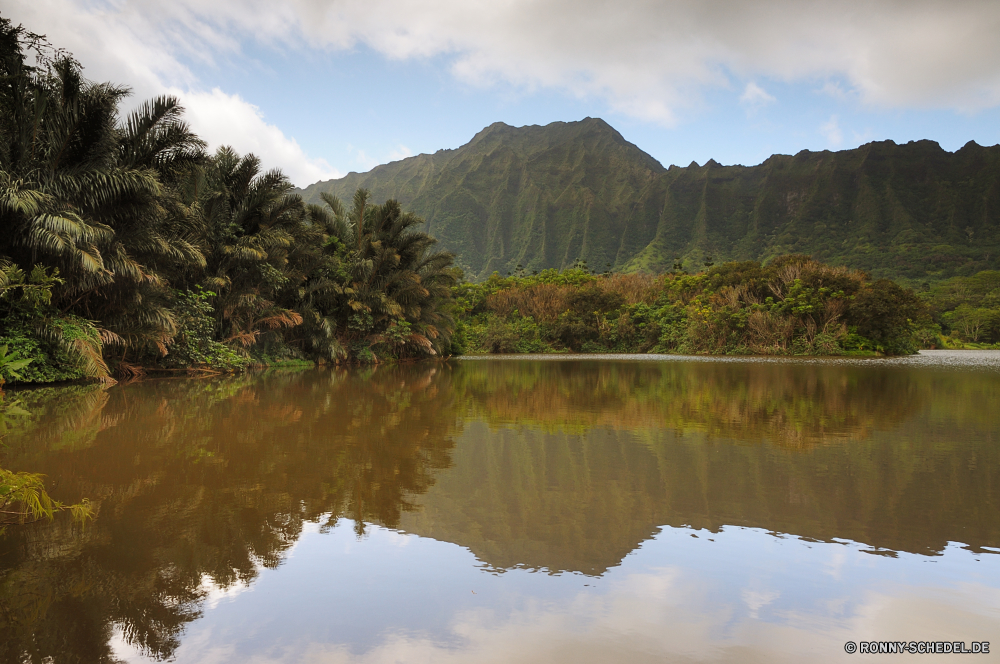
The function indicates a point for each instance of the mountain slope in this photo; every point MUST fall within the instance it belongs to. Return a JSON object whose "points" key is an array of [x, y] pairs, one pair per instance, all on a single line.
{"points": [[546, 196]]}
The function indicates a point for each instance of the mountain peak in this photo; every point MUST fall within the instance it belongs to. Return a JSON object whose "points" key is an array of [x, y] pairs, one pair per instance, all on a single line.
{"points": [[553, 128], [544, 195], [597, 122], [592, 134], [494, 128]]}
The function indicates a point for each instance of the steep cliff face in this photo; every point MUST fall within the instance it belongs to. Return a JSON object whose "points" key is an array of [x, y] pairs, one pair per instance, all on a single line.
{"points": [[912, 211], [546, 196]]}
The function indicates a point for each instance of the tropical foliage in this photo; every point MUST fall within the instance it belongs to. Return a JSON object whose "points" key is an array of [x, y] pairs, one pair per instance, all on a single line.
{"points": [[382, 286], [966, 311], [124, 244], [791, 306], [23, 497], [226, 506]]}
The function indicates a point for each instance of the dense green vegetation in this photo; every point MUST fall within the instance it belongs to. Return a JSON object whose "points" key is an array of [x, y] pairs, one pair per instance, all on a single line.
{"points": [[23, 498], [127, 247], [124, 246], [545, 196], [791, 306], [966, 311]]}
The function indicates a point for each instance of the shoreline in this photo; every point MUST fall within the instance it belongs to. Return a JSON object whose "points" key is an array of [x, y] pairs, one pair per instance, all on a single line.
{"points": [[983, 358], [965, 358]]}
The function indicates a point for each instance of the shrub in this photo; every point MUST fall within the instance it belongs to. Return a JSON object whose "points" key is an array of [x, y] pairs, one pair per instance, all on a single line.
{"points": [[500, 337], [885, 313], [195, 343], [793, 305], [574, 334], [50, 362]]}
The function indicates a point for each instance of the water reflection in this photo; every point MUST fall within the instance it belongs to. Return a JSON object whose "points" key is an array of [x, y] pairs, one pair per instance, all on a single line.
{"points": [[790, 405], [203, 480], [570, 466], [204, 485], [738, 595]]}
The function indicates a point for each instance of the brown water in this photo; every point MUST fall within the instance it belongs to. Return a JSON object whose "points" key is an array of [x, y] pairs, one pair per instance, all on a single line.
{"points": [[529, 510]]}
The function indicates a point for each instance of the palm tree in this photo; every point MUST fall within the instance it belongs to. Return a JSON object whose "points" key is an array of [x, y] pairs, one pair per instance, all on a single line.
{"points": [[57, 160], [96, 200], [114, 215], [253, 224], [57, 171], [395, 289], [155, 238]]}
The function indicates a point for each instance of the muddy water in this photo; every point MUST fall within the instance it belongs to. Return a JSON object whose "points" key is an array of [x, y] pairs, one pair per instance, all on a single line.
{"points": [[513, 510]]}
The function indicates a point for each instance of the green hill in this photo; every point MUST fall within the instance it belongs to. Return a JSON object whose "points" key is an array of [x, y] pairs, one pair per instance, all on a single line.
{"points": [[545, 196]]}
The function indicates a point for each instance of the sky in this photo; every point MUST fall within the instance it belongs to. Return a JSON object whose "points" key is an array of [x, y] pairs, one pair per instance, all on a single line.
{"points": [[320, 88]]}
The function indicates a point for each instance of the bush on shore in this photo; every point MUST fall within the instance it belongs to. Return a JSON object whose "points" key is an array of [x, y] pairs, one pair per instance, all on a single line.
{"points": [[792, 306]]}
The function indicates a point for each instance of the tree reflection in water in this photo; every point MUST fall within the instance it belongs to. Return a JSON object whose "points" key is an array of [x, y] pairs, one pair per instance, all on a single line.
{"points": [[204, 481], [573, 464], [548, 465]]}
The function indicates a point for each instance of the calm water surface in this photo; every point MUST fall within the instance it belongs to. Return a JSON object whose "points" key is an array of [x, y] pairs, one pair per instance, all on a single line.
{"points": [[531, 510]]}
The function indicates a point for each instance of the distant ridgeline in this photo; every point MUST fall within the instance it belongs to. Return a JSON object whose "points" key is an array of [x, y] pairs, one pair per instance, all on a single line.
{"points": [[544, 197]]}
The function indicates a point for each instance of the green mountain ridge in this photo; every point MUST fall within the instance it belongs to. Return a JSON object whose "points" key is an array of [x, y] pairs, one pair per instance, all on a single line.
{"points": [[545, 196]]}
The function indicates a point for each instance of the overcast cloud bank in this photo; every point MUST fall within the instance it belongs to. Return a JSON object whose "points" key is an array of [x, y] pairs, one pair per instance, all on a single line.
{"points": [[648, 59]]}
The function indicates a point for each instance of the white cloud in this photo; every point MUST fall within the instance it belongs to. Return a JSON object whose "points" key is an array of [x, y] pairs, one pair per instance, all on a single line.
{"points": [[141, 46], [113, 45], [862, 137], [755, 97], [757, 600], [400, 152], [834, 90], [660, 616], [367, 162], [229, 120], [651, 59], [832, 132]]}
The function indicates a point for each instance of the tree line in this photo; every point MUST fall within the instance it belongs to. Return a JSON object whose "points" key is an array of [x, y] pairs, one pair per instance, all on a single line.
{"points": [[124, 243], [965, 310], [793, 305]]}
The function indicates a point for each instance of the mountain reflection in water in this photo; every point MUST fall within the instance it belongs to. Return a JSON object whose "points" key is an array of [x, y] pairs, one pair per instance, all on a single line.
{"points": [[569, 466]]}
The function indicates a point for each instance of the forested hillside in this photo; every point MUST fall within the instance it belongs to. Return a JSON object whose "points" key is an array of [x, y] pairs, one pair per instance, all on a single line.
{"points": [[544, 197], [541, 196]]}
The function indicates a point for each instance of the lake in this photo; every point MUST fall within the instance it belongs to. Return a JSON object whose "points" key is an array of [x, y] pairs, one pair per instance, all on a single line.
{"points": [[567, 510]]}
